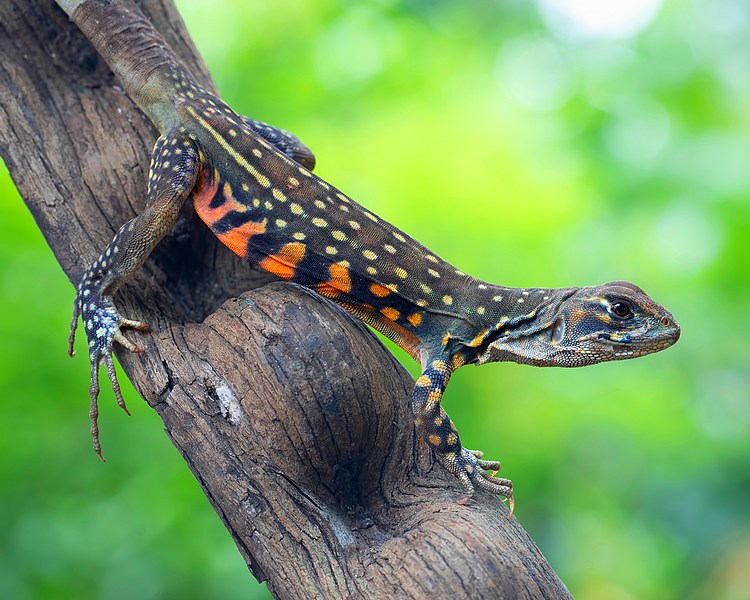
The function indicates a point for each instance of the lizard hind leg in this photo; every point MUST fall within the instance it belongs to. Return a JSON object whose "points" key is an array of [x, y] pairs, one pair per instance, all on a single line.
{"points": [[438, 430], [174, 170], [285, 142]]}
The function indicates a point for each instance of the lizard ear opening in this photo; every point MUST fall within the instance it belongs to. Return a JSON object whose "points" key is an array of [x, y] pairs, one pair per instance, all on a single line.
{"points": [[558, 330]]}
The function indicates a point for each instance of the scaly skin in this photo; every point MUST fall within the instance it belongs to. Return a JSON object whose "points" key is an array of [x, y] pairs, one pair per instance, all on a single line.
{"points": [[253, 186]]}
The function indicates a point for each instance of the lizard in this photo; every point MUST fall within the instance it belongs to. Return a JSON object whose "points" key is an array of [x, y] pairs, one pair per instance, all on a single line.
{"points": [[253, 186]]}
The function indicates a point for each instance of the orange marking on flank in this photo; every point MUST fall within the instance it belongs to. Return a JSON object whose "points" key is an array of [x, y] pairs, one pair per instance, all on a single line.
{"points": [[339, 281], [415, 319], [284, 262], [236, 239], [390, 313], [205, 190], [379, 290]]}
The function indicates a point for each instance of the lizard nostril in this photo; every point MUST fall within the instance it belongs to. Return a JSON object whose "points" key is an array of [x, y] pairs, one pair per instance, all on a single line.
{"points": [[666, 321]]}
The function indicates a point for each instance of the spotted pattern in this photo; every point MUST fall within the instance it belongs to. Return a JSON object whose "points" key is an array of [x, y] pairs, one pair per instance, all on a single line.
{"points": [[252, 185]]}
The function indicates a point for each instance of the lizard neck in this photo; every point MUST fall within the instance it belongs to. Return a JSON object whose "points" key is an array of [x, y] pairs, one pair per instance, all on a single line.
{"points": [[137, 54], [490, 312]]}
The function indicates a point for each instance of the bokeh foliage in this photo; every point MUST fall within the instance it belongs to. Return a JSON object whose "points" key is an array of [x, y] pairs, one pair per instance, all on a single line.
{"points": [[527, 155]]}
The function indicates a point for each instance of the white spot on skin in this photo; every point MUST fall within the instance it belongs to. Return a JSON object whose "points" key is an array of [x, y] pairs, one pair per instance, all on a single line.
{"points": [[331, 250], [480, 310], [520, 300], [497, 298], [299, 236]]}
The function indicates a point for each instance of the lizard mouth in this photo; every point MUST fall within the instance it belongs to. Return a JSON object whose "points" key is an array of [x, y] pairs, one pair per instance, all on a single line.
{"points": [[634, 341]]}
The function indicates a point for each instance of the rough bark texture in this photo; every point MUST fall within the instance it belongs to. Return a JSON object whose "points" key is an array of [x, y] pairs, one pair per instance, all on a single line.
{"points": [[292, 416]]}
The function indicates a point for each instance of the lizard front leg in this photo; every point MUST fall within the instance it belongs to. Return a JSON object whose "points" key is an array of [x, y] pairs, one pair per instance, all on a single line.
{"points": [[438, 430], [173, 173]]}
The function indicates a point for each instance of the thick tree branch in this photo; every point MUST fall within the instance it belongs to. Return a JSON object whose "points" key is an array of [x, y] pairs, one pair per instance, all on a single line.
{"points": [[292, 416]]}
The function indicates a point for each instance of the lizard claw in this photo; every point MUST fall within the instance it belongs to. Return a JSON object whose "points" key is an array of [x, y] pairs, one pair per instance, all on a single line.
{"points": [[103, 326], [472, 472]]}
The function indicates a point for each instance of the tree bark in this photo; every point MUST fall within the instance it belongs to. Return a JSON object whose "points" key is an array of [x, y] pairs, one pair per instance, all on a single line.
{"points": [[293, 417]]}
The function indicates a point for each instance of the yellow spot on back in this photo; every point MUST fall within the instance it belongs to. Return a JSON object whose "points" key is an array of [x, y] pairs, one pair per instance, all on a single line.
{"points": [[389, 248], [279, 195], [318, 222], [431, 258], [448, 300], [299, 236], [433, 273], [401, 273], [338, 235], [295, 208], [354, 225], [369, 254]]}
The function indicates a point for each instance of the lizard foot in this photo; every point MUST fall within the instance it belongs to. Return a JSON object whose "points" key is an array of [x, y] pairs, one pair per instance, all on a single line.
{"points": [[103, 325], [471, 471]]}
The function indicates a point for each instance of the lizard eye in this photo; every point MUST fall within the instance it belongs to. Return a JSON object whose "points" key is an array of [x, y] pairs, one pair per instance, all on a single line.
{"points": [[621, 309]]}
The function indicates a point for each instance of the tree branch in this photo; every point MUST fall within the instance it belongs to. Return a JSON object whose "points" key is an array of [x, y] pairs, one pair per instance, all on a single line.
{"points": [[292, 416]]}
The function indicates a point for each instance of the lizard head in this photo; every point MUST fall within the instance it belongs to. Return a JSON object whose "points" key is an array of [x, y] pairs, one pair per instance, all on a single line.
{"points": [[613, 321]]}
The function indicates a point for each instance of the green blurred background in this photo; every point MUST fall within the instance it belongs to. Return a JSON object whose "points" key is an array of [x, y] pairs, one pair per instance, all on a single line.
{"points": [[552, 143]]}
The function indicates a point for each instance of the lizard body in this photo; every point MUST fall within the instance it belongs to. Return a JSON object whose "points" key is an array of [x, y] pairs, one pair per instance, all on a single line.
{"points": [[253, 186]]}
